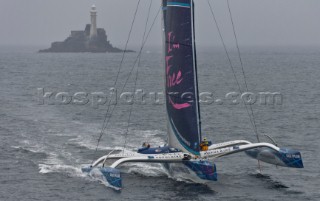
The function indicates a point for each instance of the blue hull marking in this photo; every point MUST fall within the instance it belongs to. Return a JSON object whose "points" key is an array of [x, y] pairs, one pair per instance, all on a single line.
{"points": [[111, 175], [204, 169], [284, 157]]}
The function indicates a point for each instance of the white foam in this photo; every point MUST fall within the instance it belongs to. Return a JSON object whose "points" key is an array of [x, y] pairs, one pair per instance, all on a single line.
{"points": [[61, 161], [46, 168], [149, 170], [26, 145]]}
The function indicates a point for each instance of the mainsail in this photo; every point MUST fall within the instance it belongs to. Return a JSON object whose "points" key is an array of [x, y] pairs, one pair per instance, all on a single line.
{"points": [[181, 75]]}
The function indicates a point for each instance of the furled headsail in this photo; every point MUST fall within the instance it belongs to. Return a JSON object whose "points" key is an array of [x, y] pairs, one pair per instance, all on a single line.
{"points": [[181, 75]]}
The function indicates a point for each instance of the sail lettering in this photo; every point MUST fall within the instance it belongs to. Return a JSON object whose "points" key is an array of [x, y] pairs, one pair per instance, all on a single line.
{"points": [[172, 45], [176, 46], [174, 78], [168, 66]]}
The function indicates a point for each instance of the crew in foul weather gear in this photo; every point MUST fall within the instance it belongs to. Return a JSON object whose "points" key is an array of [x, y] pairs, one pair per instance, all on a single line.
{"points": [[204, 145], [146, 145], [186, 157]]}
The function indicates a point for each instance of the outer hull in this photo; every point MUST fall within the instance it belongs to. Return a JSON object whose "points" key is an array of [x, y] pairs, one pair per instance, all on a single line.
{"points": [[109, 176], [283, 157]]}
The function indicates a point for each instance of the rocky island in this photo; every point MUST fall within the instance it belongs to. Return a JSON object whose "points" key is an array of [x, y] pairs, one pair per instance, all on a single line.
{"points": [[92, 39]]}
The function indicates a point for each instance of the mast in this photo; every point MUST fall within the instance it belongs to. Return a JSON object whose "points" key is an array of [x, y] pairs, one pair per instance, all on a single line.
{"points": [[182, 97], [196, 70]]}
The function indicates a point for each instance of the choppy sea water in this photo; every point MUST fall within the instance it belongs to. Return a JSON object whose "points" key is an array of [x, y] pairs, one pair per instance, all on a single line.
{"points": [[44, 146]]}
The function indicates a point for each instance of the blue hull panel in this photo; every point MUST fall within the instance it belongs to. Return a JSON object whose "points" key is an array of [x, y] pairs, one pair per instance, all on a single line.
{"points": [[284, 157], [109, 175], [113, 176], [204, 169]]}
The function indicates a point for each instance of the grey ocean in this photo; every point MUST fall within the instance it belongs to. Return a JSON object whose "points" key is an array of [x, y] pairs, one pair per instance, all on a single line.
{"points": [[44, 146]]}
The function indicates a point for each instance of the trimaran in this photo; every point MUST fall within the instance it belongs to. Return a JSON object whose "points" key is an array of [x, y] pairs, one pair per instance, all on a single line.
{"points": [[183, 152]]}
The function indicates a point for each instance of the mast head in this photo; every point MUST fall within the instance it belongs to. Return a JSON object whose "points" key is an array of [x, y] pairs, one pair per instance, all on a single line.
{"points": [[93, 7]]}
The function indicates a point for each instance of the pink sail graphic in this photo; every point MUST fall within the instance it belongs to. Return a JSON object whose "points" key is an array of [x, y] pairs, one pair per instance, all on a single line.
{"points": [[181, 74]]}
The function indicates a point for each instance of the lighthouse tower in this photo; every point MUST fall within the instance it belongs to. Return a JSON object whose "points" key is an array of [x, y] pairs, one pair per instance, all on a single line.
{"points": [[93, 28]]}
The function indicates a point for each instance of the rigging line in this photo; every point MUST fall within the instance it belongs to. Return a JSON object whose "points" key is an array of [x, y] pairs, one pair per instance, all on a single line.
{"points": [[229, 59], [242, 67], [135, 62], [244, 77], [137, 75], [128, 39], [147, 22], [130, 73], [118, 73]]}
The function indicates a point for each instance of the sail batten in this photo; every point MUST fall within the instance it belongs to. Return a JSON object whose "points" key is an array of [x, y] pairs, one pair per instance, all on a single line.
{"points": [[181, 76]]}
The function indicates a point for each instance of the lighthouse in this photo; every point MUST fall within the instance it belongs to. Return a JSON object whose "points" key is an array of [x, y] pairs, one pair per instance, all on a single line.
{"points": [[93, 27]]}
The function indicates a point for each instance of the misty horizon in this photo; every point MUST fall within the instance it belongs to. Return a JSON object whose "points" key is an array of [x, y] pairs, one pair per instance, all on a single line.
{"points": [[287, 23]]}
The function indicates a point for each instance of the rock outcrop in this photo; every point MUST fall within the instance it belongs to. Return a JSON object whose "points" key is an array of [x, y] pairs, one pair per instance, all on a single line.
{"points": [[80, 41]]}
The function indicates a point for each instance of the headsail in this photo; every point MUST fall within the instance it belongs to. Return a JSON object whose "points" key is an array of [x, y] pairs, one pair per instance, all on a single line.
{"points": [[181, 76]]}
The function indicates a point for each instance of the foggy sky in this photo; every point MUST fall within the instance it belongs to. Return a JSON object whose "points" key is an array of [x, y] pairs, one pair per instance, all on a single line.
{"points": [[258, 22]]}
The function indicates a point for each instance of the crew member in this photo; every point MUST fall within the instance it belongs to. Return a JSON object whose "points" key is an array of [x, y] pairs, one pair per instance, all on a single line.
{"points": [[146, 145], [204, 145], [186, 157]]}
